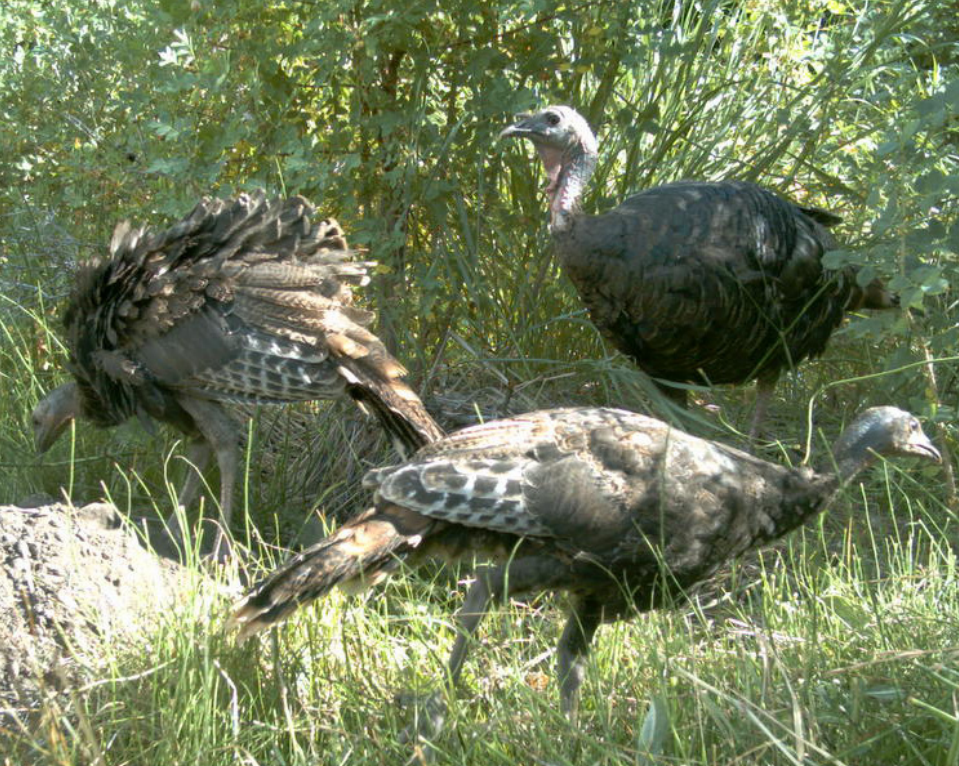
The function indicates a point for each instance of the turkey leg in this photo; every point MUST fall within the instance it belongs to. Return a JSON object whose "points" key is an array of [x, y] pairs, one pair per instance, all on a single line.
{"points": [[220, 432]]}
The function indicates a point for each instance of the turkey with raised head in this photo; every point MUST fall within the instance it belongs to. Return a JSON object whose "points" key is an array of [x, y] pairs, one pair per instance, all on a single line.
{"points": [[698, 282], [619, 509], [246, 300]]}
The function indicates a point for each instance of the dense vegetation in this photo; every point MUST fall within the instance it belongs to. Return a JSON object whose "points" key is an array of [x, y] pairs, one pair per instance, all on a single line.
{"points": [[387, 115]]}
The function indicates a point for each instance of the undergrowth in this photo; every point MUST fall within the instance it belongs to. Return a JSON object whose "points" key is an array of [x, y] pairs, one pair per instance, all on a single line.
{"points": [[838, 647], [835, 647]]}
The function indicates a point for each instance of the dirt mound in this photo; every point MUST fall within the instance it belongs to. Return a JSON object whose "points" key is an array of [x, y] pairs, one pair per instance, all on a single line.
{"points": [[72, 579]]}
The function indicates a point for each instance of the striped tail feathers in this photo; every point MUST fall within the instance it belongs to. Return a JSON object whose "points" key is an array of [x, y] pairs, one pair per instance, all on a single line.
{"points": [[375, 382], [399, 410], [312, 255], [247, 227], [252, 227], [373, 377], [303, 317], [296, 291], [358, 555], [324, 277], [326, 234]]}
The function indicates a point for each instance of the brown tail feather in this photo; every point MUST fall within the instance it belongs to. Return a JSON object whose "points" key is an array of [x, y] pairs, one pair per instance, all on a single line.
{"points": [[874, 295], [365, 549], [400, 412]]}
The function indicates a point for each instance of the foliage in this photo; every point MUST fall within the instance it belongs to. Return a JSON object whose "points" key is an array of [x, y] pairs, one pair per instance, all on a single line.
{"points": [[387, 116], [811, 654]]}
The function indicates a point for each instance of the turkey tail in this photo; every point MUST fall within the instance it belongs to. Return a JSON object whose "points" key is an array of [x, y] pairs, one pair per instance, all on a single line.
{"points": [[874, 295], [359, 554], [374, 380], [400, 412], [822, 217]]}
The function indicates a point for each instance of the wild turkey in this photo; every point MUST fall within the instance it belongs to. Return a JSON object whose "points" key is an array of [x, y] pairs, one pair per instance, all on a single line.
{"points": [[244, 300], [698, 282], [619, 509]]}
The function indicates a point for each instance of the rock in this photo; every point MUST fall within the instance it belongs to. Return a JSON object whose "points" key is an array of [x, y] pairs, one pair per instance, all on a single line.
{"points": [[36, 501], [104, 514], [70, 580]]}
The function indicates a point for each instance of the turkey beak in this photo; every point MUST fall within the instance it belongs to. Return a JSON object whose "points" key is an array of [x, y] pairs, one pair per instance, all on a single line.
{"points": [[46, 432], [514, 131], [522, 128], [52, 415], [920, 445]]}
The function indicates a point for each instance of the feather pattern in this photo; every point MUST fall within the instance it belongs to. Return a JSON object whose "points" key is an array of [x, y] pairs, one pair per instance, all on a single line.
{"points": [[246, 300], [621, 510], [739, 275], [698, 282]]}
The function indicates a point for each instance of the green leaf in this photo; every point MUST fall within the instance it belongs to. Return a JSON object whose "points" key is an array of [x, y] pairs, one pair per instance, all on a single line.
{"points": [[836, 259], [866, 274], [886, 693], [654, 731], [953, 238]]}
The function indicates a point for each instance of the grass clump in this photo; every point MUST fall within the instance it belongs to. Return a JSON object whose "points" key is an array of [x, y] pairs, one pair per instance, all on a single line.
{"points": [[836, 647], [828, 649]]}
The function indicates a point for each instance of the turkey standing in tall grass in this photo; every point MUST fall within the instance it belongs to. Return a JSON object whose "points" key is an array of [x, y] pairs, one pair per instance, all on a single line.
{"points": [[698, 282], [245, 301], [620, 510]]}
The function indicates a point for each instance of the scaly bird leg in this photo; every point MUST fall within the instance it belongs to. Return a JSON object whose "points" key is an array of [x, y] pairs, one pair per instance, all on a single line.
{"points": [[489, 582], [430, 711], [222, 434], [572, 651], [198, 457], [492, 585]]}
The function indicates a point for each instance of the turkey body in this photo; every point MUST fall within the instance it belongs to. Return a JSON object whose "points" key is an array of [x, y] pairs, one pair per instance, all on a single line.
{"points": [[620, 510], [707, 283], [698, 282], [243, 301]]}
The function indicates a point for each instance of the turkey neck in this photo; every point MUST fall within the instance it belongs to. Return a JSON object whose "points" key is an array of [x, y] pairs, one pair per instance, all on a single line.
{"points": [[852, 455], [578, 164], [807, 493]]}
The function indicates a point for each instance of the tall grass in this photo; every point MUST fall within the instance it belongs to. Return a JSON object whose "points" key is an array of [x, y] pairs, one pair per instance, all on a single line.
{"points": [[836, 647]]}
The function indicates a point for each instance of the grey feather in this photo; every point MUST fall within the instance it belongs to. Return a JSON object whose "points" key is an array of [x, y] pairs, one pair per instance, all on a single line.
{"points": [[244, 300], [620, 510]]}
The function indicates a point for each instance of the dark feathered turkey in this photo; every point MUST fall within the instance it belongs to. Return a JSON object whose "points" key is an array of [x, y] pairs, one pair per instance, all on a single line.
{"points": [[244, 300], [620, 510], [698, 282]]}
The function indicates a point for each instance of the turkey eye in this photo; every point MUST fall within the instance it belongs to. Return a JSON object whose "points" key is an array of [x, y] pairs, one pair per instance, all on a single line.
{"points": [[552, 118]]}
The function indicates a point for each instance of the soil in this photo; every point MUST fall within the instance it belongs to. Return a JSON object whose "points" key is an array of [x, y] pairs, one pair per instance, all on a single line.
{"points": [[72, 579]]}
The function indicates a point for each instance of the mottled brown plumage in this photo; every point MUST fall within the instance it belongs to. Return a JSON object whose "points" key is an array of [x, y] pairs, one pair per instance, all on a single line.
{"points": [[620, 510], [246, 300], [704, 283]]}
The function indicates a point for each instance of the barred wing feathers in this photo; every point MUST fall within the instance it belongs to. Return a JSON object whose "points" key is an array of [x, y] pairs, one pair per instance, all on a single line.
{"points": [[244, 300]]}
